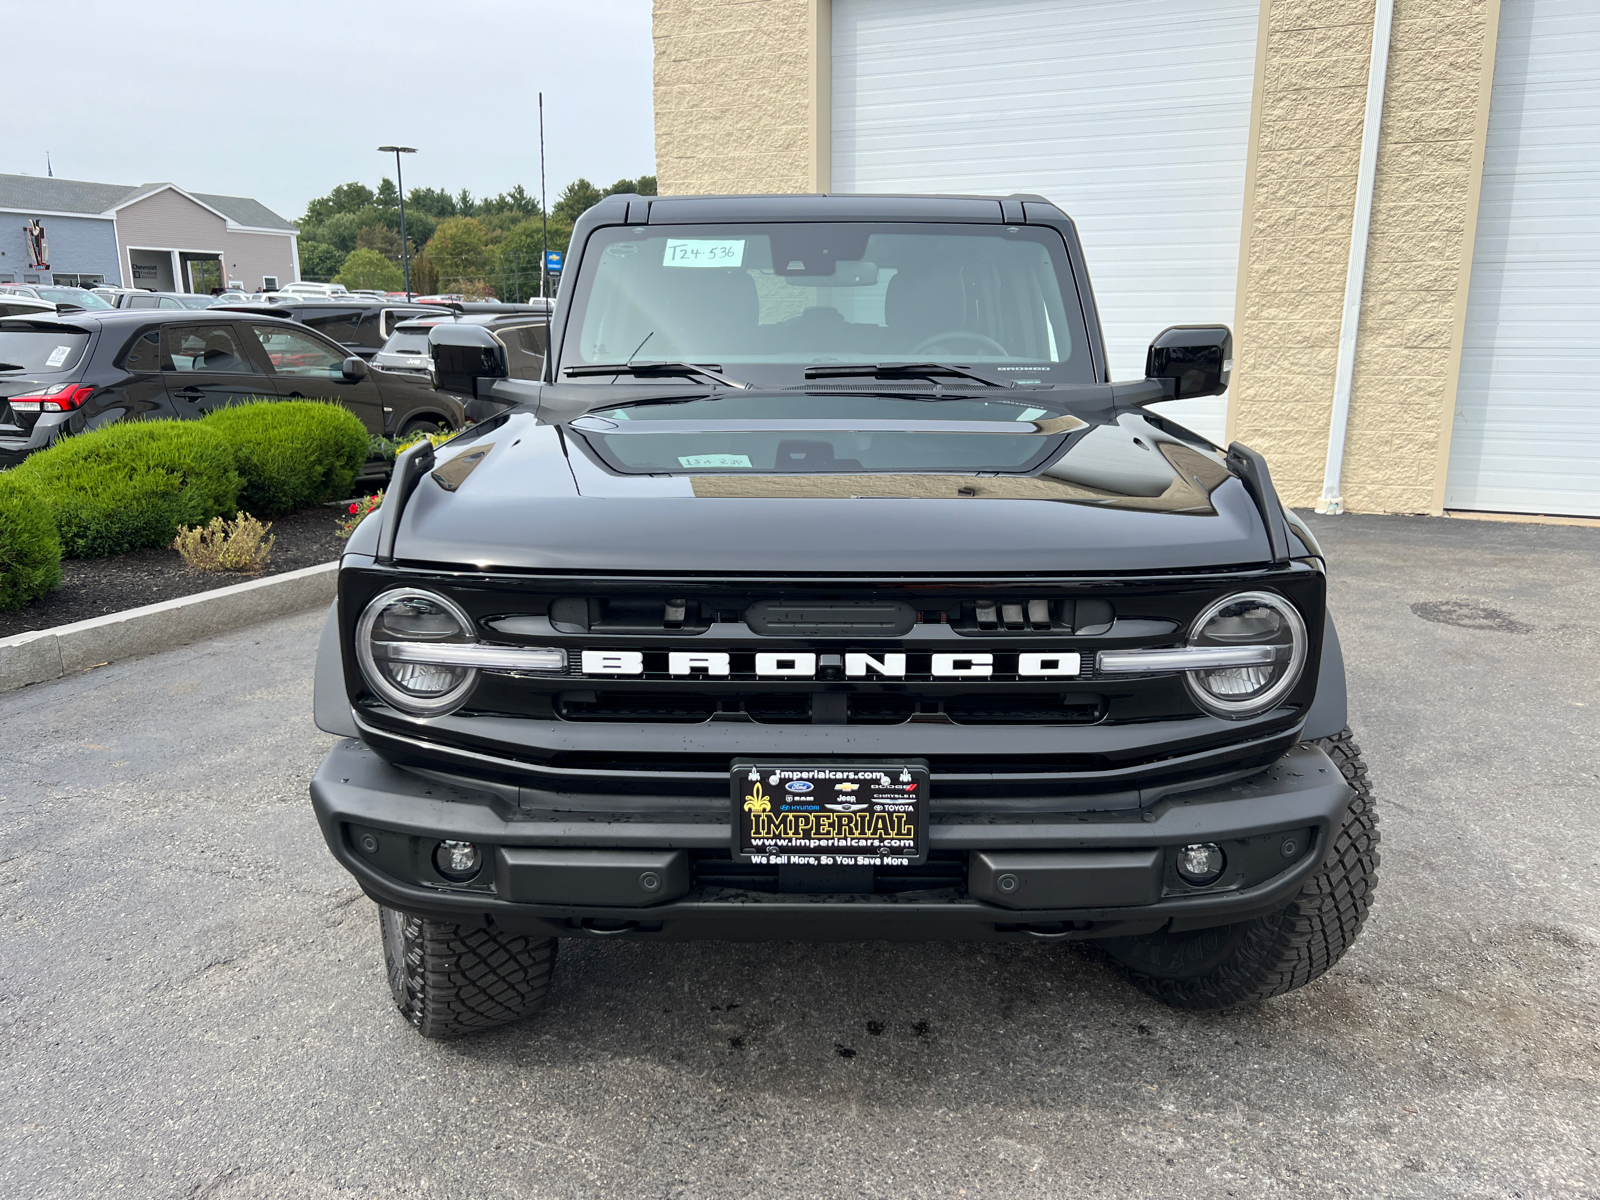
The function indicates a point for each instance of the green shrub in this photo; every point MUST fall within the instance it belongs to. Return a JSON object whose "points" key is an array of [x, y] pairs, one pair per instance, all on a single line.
{"points": [[30, 548], [292, 453], [133, 484]]}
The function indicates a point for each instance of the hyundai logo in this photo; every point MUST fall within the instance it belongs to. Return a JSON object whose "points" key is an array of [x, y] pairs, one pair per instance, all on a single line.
{"points": [[798, 785]]}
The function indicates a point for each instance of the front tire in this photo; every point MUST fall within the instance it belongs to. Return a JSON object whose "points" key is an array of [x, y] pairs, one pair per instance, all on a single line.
{"points": [[452, 980], [1233, 965]]}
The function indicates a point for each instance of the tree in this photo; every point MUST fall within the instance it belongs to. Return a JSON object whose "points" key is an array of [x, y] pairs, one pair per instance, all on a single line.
{"points": [[645, 185], [433, 201], [459, 251], [369, 269], [319, 261], [576, 199], [387, 196], [346, 198]]}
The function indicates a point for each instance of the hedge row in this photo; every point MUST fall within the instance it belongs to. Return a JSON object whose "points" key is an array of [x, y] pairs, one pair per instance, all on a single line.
{"points": [[133, 484]]}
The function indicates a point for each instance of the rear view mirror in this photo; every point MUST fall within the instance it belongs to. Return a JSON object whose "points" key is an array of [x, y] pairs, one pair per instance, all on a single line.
{"points": [[354, 368], [1197, 358], [464, 354]]}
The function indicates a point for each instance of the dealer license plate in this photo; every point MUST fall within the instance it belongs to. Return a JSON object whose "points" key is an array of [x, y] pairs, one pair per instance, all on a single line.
{"points": [[831, 814]]}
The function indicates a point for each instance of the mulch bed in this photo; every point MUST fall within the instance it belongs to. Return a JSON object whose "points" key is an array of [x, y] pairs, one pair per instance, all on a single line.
{"points": [[94, 587]]}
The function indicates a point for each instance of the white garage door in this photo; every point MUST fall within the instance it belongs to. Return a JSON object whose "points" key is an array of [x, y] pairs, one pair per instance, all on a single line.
{"points": [[1527, 422], [1132, 115]]}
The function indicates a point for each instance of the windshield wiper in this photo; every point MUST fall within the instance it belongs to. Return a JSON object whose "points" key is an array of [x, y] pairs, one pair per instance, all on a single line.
{"points": [[933, 371], [654, 368]]}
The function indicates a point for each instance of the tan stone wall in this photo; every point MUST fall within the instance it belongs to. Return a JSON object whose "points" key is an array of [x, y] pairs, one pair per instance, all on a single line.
{"points": [[733, 96], [1419, 252], [1297, 237], [1419, 255]]}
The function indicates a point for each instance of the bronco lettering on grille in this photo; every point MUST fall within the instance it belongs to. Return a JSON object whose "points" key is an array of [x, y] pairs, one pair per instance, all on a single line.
{"points": [[801, 665]]}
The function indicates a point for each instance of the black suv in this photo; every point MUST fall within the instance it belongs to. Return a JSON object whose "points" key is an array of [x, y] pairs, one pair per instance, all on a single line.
{"points": [[360, 326], [827, 588], [523, 332], [67, 373]]}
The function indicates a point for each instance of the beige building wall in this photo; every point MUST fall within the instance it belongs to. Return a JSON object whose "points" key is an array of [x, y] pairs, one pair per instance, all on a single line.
{"points": [[1419, 254], [166, 220], [741, 93], [1299, 207], [1299, 212], [735, 89]]}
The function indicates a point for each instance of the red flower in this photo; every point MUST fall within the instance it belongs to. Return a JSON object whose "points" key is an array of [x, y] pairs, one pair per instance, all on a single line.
{"points": [[355, 508]]}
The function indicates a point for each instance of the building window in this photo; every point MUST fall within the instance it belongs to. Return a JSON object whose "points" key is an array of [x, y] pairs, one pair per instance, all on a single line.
{"points": [[269, 283], [83, 281], [30, 279]]}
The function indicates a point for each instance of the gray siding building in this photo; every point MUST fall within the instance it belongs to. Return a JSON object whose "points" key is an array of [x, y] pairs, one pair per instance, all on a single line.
{"points": [[156, 236]]}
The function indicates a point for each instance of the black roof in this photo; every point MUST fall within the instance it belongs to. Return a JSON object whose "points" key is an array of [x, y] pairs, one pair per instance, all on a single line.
{"points": [[133, 316], [712, 210]]}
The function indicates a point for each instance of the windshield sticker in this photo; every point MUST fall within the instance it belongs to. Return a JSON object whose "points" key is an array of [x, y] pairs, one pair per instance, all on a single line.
{"points": [[58, 356], [703, 252], [714, 460]]}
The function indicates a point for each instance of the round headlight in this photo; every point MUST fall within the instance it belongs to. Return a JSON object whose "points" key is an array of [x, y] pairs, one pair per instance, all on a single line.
{"points": [[411, 615], [1249, 619]]}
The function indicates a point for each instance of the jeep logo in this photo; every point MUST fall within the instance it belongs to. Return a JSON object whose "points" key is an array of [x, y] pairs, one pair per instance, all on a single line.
{"points": [[1035, 664]]}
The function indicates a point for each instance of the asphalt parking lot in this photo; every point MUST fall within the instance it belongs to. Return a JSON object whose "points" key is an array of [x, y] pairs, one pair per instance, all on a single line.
{"points": [[193, 1001]]}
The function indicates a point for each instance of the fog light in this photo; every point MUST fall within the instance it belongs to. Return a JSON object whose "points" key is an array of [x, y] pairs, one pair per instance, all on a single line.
{"points": [[1201, 864], [458, 861]]}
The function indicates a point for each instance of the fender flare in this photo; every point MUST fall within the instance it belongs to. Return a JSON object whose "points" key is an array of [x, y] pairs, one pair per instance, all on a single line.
{"points": [[330, 703], [1330, 711]]}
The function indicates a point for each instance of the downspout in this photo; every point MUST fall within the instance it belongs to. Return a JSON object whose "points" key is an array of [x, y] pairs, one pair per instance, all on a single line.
{"points": [[1355, 274]]}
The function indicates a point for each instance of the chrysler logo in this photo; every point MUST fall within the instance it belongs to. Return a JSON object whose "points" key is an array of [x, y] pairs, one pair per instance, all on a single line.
{"points": [[1046, 664]]}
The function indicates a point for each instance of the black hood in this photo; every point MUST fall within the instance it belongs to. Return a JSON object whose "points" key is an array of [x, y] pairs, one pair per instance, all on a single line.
{"points": [[1134, 494]]}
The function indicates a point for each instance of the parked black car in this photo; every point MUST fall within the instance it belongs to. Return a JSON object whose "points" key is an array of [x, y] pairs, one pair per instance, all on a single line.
{"points": [[523, 333], [63, 374], [360, 326], [191, 301], [827, 588]]}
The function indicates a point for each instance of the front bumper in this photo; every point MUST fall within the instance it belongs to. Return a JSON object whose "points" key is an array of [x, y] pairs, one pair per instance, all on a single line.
{"points": [[577, 874]]}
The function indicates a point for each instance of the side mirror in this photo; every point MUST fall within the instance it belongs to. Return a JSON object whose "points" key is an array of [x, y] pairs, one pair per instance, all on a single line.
{"points": [[354, 368], [1197, 358], [464, 354]]}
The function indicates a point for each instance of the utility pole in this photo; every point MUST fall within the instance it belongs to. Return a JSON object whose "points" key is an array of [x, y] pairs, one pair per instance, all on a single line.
{"points": [[544, 213], [400, 183]]}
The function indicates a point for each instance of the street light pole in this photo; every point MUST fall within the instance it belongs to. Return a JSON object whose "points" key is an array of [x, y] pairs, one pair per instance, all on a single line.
{"points": [[400, 183]]}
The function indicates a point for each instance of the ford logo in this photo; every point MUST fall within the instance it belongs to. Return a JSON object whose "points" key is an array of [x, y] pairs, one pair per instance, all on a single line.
{"points": [[798, 785]]}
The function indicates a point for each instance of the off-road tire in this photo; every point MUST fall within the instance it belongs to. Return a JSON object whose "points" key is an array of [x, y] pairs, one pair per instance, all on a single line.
{"points": [[449, 980], [1234, 965]]}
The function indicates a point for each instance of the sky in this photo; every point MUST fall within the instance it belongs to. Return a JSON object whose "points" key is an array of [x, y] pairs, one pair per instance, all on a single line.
{"points": [[284, 100]]}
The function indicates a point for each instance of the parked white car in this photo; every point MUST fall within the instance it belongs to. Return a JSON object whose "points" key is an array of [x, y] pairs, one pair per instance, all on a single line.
{"points": [[315, 290], [13, 305]]}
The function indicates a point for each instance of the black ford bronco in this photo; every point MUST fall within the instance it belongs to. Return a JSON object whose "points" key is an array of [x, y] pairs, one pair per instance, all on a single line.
{"points": [[827, 588]]}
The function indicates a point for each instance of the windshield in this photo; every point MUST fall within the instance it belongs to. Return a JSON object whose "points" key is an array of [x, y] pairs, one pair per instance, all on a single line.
{"points": [[811, 434], [79, 296], [765, 301], [36, 350], [195, 301], [407, 342]]}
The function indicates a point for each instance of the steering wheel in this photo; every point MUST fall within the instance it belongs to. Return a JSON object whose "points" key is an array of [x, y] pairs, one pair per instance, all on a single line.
{"points": [[981, 341]]}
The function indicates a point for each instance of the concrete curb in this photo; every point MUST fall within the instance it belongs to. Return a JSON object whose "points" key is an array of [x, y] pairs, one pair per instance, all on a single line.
{"points": [[52, 653]]}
